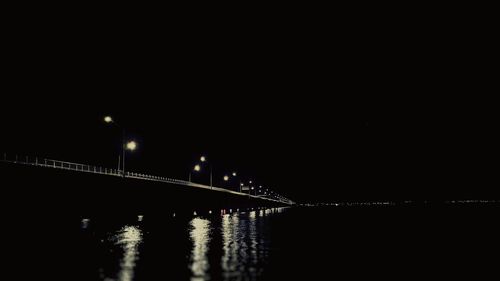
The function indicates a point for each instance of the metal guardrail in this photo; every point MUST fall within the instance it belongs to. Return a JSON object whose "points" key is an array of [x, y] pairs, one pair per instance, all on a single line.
{"points": [[77, 167]]}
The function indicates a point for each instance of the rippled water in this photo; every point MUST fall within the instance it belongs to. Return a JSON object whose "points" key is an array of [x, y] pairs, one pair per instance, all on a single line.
{"points": [[233, 246], [273, 244]]}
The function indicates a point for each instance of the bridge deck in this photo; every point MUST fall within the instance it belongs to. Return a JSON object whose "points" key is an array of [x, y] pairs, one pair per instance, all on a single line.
{"points": [[83, 168]]}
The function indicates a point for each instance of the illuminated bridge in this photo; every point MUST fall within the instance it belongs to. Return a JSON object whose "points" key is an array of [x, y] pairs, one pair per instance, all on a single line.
{"points": [[50, 185]]}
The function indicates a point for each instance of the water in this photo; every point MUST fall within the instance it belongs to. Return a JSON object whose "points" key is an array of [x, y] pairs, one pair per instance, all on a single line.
{"points": [[233, 246], [273, 244]]}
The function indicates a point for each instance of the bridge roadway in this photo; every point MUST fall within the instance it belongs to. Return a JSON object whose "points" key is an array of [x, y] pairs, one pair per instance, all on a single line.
{"points": [[47, 184]]}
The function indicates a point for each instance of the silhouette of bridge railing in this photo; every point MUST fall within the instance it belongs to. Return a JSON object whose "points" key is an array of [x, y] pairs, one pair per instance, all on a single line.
{"points": [[77, 167]]}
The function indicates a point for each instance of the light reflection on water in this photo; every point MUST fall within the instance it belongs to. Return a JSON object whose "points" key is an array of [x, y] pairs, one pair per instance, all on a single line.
{"points": [[223, 247], [229, 232], [200, 230], [128, 239], [241, 246]]}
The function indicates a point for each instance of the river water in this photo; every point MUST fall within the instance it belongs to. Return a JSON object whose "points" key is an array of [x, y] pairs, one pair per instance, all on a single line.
{"points": [[326, 243]]}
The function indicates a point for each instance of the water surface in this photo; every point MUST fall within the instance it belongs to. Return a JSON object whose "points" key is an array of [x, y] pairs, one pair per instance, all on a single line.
{"points": [[303, 243]]}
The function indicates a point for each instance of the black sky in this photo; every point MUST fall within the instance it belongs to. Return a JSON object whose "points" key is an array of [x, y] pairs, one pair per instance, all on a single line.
{"points": [[319, 114]]}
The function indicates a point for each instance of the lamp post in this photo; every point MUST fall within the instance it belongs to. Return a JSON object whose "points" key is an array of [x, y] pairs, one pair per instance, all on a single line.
{"points": [[130, 145], [228, 177], [204, 159], [197, 168]]}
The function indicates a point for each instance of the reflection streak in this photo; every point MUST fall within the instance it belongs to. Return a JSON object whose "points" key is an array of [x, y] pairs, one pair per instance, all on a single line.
{"points": [[200, 238], [129, 238]]}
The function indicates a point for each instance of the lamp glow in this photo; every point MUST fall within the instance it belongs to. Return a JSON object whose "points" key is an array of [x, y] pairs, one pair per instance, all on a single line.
{"points": [[197, 168], [203, 159], [131, 145], [108, 119], [226, 178]]}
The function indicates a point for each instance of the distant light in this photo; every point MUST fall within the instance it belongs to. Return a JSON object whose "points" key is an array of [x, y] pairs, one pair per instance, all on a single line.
{"points": [[234, 174], [203, 159], [108, 119], [197, 168], [85, 223], [241, 184], [260, 186], [252, 187], [250, 181], [226, 178], [131, 145]]}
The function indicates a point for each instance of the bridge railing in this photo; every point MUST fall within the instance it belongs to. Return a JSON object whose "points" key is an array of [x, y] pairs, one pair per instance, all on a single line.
{"points": [[56, 164], [51, 163]]}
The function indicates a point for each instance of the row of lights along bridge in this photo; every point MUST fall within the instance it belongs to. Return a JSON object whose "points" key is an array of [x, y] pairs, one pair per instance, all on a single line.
{"points": [[249, 186]]}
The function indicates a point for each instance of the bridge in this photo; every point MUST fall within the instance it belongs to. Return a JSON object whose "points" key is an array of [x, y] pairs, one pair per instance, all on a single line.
{"points": [[178, 194]]}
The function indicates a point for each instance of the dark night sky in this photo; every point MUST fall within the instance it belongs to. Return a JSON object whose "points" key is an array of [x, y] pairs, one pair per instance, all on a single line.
{"points": [[317, 116]]}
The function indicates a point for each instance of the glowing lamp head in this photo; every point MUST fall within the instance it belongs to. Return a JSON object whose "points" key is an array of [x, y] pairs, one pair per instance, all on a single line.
{"points": [[234, 174], [108, 119], [197, 168], [203, 159], [252, 187], [241, 184], [250, 181], [131, 145], [226, 178]]}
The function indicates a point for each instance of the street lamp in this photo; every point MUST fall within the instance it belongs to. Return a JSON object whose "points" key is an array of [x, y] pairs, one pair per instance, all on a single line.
{"points": [[197, 168], [131, 145], [233, 174]]}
